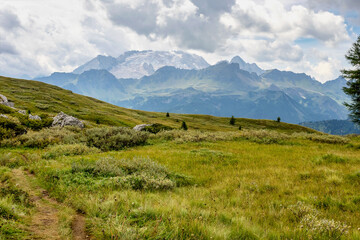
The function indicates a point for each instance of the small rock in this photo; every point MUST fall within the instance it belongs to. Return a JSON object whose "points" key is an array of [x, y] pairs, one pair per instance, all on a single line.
{"points": [[4, 116], [63, 119], [141, 127], [23, 112], [4, 101], [34, 117]]}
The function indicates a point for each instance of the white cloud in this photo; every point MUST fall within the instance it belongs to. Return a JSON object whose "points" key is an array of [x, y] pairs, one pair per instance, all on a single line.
{"points": [[43, 36]]}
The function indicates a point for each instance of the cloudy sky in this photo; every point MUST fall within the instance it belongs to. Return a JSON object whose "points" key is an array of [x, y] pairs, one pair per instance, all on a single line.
{"points": [[39, 37]]}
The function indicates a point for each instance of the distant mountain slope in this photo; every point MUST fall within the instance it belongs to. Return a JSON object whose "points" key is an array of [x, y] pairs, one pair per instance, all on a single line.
{"points": [[252, 68], [42, 98], [266, 104], [136, 64], [337, 127], [223, 89]]}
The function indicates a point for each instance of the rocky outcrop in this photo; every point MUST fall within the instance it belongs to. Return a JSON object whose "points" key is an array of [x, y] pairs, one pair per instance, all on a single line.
{"points": [[141, 127], [34, 117], [63, 119], [4, 101]]}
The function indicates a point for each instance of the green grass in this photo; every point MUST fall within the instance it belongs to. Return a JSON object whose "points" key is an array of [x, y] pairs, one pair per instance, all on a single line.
{"points": [[268, 181], [33, 95], [236, 189]]}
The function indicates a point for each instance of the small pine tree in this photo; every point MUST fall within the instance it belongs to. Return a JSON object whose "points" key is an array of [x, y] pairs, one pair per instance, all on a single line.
{"points": [[239, 127], [232, 120], [278, 119], [184, 126], [28, 112], [167, 114]]}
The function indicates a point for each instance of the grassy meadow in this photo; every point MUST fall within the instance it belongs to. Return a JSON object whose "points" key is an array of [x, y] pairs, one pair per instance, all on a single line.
{"points": [[268, 180]]}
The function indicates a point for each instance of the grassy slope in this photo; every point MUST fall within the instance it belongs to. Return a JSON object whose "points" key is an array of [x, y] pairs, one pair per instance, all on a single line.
{"points": [[243, 189], [44, 98]]}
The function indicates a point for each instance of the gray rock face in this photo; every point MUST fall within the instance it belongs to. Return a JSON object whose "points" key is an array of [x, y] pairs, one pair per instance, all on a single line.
{"points": [[140, 127], [63, 119], [4, 116], [34, 117], [4, 101]]}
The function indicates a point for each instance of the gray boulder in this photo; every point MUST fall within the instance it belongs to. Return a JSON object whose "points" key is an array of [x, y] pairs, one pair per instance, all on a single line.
{"points": [[141, 127], [4, 101], [63, 119], [23, 112], [4, 116], [34, 117]]}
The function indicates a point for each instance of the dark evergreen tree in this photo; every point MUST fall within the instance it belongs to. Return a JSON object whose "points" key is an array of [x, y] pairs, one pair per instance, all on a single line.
{"points": [[184, 126], [167, 114], [232, 120], [278, 119], [239, 127], [353, 84]]}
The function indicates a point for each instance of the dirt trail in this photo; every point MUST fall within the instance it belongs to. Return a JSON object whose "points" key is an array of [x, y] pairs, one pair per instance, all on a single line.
{"points": [[45, 222]]}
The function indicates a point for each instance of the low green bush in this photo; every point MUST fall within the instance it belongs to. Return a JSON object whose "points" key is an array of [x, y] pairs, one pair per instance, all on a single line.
{"points": [[35, 124], [68, 150], [113, 138], [137, 173], [157, 127], [322, 138], [10, 129], [5, 109], [42, 138]]}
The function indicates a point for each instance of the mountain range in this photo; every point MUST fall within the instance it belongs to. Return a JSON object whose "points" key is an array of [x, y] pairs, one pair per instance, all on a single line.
{"points": [[185, 83]]}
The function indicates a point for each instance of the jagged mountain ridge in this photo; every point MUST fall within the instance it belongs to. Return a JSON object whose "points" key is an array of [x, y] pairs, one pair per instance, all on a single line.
{"points": [[250, 67], [222, 90], [136, 64]]}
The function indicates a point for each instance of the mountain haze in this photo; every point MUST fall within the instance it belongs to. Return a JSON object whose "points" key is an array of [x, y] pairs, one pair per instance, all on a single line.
{"points": [[223, 89]]}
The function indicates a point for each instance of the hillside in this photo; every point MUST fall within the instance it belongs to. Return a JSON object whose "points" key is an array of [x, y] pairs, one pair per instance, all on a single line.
{"points": [[224, 89], [44, 98], [267, 180], [336, 127]]}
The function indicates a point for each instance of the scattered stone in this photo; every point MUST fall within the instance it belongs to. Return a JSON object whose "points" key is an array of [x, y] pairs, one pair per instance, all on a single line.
{"points": [[4, 101], [34, 117], [23, 112], [141, 127], [4, 116], [63, 119]]}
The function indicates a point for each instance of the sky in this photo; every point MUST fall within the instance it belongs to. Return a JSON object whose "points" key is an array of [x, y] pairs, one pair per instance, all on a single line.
{"points": [[39, 37]]}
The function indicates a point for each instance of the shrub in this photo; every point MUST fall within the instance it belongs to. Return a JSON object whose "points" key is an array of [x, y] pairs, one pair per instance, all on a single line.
{"points": [[34, 124], [323, 138], [264, 136], [43, 138], [157, 127], [197, 136], [68, 150], [137, 173], [5, 109], [114, 138], [9, 129]]}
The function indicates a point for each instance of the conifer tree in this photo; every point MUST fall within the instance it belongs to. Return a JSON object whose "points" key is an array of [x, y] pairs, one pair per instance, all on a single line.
{"points": [[353, 84], [232, 120], [184, 126]]}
